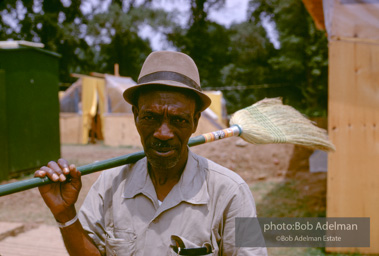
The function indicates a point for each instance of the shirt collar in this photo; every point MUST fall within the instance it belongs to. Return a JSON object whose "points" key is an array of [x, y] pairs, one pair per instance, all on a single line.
{"points": [[139, 181], [191, 188]]}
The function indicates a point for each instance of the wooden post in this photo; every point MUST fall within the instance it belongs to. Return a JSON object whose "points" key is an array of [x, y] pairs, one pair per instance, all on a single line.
{"points": [[116, 70], [314, 7], [353, 170]]}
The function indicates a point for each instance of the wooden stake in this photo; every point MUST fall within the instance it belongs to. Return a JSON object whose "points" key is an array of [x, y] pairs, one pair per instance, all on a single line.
{"points": [[116, 70]]}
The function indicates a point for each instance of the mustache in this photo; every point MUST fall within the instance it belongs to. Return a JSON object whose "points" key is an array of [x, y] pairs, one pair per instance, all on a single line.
{"points": [[161, 145]]}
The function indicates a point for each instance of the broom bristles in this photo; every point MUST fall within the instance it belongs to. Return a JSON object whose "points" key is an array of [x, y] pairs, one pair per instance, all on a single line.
{"points": [[269, 121]]}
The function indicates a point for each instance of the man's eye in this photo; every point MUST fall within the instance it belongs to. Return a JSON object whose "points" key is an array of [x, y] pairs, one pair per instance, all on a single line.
{"points": [[180, 120], [148, 118]]}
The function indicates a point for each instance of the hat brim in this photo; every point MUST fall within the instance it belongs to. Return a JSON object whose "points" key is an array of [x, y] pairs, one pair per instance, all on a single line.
{"points": [[130, 93]]}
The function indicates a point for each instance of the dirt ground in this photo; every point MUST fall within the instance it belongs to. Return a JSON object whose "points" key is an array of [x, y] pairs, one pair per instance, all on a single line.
{"points": [[268, 164]]}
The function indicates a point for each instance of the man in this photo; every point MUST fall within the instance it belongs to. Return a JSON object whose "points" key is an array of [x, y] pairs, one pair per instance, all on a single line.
{"points": [[173, 201]]}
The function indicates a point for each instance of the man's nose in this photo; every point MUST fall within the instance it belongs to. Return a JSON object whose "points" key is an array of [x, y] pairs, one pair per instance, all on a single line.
{"points": [[164, 132]]}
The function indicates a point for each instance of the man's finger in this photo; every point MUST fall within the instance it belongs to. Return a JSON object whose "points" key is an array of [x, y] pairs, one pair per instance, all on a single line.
{"points": [[74, 173], [57, 169], [64, 165], [75, 177], [50, 173], [40, 174]]}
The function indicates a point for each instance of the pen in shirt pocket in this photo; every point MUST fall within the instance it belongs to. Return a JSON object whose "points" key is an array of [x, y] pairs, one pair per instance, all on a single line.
{"points": [[192, 251]]}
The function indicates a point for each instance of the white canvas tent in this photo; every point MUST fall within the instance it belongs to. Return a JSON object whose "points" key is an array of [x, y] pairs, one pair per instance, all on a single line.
{"points": [[114, 87], [85, 105]]}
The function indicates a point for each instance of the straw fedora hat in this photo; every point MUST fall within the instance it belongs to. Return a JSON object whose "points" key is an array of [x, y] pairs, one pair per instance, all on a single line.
{"points": [[169, 69]]}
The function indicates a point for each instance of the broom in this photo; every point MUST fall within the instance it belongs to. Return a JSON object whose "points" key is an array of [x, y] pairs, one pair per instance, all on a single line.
{"points": [[265, 122], [269, 121]]}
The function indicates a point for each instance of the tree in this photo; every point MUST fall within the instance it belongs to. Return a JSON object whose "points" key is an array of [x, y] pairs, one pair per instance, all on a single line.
{"points": [[92, 41], [57, 26], [115, 32], [250, 49], [205, 41], [302, 59]]}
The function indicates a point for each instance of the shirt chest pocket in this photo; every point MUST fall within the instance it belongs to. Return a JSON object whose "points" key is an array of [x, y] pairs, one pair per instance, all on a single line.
{"points": [[120, 243]]}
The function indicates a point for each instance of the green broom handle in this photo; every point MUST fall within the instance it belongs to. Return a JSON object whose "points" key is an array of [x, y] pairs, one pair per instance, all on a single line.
{"points": [[18, 186]]}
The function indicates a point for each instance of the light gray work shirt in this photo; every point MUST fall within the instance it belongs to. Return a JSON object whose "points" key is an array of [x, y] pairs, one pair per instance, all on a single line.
{"points": [[122, 215]]}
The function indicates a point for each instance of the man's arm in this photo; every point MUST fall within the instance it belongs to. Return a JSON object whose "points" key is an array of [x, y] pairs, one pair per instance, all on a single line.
{"points": [[61, 197], [241, 205], [77, 241]]}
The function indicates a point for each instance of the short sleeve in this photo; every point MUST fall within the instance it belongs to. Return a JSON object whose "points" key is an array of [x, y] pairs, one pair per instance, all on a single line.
{"points": [[91, 215], [241, 204]]}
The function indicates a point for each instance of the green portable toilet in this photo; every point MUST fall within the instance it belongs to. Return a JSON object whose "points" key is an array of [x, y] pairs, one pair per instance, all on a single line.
{"points": [[29, 108]]}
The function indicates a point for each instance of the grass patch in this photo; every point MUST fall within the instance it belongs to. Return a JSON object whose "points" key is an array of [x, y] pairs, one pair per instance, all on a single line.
{"points": [[286, 199], [295, 197]]}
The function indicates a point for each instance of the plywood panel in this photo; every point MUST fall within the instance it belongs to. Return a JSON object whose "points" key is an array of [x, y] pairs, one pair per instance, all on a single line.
{"points": [[70, 125], [353, 170], [120, 130]]}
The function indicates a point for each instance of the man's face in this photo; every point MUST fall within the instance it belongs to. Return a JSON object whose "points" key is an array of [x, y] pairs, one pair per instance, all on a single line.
{"points": [[165, 121]]}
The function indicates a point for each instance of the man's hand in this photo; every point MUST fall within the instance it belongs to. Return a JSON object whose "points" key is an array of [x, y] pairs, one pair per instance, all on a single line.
{"points": [[61, 195]]}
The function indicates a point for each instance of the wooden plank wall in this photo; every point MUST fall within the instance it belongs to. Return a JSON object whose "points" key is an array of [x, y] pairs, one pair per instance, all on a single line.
{"points": [[353, 170]]}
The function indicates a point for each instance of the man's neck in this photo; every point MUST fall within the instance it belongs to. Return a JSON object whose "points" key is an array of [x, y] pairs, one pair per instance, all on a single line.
{"points": [[165, 179]]}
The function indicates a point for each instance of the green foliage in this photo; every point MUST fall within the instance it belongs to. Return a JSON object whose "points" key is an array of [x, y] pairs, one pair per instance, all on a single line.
{"points": [[117, 36], [51, 23], [87, 42], [115, 33], [241, 59], [302, 60], [249, 51], [293, 201], [208, 45], [205, 41]]}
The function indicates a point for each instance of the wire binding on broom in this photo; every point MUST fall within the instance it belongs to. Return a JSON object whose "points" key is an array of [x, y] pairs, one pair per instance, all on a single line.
{"points": [[269, 121]]}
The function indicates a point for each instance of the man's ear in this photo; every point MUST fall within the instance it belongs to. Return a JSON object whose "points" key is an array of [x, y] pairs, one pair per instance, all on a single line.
{"points": [[135, 113], [196, 118]]}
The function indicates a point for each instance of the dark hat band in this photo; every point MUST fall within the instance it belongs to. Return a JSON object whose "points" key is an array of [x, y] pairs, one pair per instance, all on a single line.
{"points": [[171, 76]]}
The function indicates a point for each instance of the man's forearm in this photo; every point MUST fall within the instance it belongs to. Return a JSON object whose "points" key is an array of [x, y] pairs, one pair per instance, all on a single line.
{"points": [[77, 241]]}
